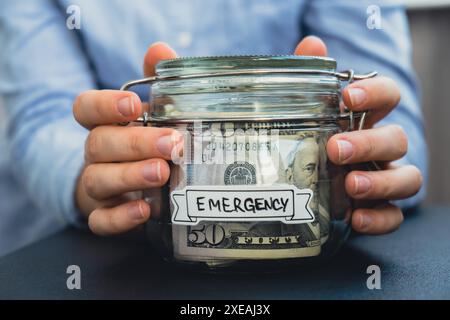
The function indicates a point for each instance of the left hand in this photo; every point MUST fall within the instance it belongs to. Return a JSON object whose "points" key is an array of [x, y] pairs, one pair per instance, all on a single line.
{"points": [[380, 95]]}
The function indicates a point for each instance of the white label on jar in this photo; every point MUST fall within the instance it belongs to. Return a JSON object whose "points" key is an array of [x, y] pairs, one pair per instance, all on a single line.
{"points": [[285, 203]]}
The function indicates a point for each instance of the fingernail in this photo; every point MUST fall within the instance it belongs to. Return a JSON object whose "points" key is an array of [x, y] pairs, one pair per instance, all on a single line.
{"points": [[126, 106], [152, 172], [365, 221], [362, 184], [345, 150], [165, 144], [135, 212], [357, 96]]}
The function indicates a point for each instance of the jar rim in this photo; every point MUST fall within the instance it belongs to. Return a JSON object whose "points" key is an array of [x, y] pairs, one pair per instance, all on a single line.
{"points": [[245, 88], [210, 64]]}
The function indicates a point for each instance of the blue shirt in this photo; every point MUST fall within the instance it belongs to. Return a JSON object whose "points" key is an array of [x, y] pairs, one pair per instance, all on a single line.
{"points": [[44, 65]]}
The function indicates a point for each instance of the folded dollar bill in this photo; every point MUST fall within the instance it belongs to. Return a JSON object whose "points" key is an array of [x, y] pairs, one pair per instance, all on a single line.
{"points": [[248, 193]]}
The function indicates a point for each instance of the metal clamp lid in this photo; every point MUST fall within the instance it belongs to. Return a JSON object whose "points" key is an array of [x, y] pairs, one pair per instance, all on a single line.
{"points": [[348, 75]]}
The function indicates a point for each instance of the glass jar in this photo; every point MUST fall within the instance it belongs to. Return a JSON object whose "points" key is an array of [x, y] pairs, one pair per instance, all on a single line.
{"points": [[251, 186]]}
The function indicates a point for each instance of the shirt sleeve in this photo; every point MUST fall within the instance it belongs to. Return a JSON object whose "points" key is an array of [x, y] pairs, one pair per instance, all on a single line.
{"points": [[42, 70], [358, 42]]}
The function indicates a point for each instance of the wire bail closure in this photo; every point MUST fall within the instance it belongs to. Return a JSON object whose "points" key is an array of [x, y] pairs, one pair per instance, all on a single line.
{"points": [[351, 79]]}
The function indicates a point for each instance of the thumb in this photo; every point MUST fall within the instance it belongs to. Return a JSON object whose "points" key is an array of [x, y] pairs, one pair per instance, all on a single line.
{"points": [[311, 46], [156, 52]]}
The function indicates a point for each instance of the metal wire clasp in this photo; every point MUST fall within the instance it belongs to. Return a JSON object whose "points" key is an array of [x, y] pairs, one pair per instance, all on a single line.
{"points": [[348, 75], [145, 119], [126, 86]]}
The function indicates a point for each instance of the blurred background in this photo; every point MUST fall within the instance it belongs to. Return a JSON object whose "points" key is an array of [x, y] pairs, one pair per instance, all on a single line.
{"points": [[430, 27]]}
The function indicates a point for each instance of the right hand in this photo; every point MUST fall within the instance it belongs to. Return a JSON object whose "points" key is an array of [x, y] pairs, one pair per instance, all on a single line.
{"points": [[121, 160]]}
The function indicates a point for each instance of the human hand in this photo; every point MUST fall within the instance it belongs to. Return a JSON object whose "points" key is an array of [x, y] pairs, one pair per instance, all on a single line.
{"points": [[119, 161], [380, 95], [103, 192]]}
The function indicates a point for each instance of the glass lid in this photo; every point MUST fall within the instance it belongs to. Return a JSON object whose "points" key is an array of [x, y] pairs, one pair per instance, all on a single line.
{"points": [[219, 64]]}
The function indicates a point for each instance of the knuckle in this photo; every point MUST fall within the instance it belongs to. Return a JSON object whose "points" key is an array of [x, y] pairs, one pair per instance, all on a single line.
{"points": [[134, 142], [92, 146], [382, 186], [89, 181], [366, 146], [124, 177], [385, 187]]}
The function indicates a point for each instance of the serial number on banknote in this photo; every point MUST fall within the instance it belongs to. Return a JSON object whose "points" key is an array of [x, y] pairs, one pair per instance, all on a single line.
{"points": [[241, 146]]}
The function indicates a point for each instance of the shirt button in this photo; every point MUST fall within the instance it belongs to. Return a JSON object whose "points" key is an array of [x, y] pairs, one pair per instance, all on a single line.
{"points": [[184, 39]]}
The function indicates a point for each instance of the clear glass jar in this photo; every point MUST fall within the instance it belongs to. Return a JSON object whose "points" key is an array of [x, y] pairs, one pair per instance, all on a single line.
{"points": [[251, 186]]}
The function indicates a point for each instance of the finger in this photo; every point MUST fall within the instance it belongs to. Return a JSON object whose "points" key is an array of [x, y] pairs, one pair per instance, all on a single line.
{"points": [[155, 53], [119, 219], [379, 95], [385, 143], [114, 143], [87, 204], [311, 46], [380, 220], [103, 181], [392, 184], [96, 107]]}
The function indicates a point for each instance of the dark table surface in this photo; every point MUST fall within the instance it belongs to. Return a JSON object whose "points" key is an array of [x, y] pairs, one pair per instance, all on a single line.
{"points": [[414, 263]]}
